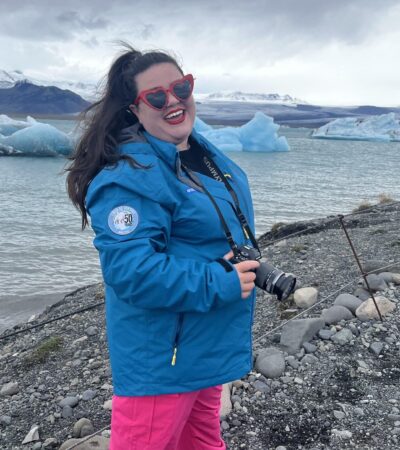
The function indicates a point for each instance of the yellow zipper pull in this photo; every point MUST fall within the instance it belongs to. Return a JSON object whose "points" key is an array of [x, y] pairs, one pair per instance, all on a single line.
{"points": [[174, 357]]}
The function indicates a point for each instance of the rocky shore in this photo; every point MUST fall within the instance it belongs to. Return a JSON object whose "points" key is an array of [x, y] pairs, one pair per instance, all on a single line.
{"points": [[327, 379]]}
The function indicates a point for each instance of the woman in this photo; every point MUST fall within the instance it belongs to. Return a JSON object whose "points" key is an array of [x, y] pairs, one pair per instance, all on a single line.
{"points": [[178, 312]]}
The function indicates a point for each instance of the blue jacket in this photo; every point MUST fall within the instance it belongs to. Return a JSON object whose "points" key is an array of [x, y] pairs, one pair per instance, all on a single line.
{"points": [[158, 239]]}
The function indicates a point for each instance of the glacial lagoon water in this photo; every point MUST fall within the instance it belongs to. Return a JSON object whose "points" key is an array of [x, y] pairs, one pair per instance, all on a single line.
{"points": [[44, 254]]}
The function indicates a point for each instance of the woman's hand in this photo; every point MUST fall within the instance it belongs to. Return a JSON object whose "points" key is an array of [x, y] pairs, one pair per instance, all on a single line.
{"points": [[246, 276]]}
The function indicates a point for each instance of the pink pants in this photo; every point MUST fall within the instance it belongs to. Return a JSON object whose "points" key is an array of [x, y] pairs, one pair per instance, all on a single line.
{"points": [[187, 421]]}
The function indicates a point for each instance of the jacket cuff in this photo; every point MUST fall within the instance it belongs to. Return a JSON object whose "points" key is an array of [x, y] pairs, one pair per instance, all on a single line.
{"points": [[226, 284]]}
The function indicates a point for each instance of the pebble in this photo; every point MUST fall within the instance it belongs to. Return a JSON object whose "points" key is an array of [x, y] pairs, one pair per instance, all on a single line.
{"points": [[261, 387], [309, 360], [107, 405], [10, 388], [67, 411], [89, 394], [339, 415], [310, 348], [50, 443], [342, 434], [91, 331], [71, 401], [225, 425], [342, 337], [5, 420], [376, 348], [325, 334], [393, 417], [293, 362]]}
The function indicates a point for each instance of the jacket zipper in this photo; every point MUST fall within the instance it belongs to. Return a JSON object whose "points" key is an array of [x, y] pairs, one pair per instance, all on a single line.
{"points": [[176, 338]]}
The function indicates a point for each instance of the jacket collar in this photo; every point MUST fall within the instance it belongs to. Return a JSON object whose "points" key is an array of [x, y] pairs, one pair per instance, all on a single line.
{"points": [[166, 151]]}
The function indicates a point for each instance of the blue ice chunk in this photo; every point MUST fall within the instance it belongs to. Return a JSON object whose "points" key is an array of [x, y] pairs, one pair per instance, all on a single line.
{"points": [[257, 135], [260, 135], [385, 128], [9, 126], [201, 126], [36, 139]]}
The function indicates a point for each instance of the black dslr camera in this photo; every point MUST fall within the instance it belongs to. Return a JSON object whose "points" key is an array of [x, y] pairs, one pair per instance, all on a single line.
{"points": [[268, 277]]}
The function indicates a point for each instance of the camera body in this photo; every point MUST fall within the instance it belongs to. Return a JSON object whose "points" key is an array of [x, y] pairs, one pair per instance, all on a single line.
{"points": [[268, 278]]}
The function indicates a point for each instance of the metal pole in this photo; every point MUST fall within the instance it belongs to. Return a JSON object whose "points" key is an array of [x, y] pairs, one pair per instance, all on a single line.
{"points": [[364, 275]]}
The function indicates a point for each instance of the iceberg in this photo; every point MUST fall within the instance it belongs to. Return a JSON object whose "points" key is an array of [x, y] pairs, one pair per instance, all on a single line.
{"points": [[385, 128], [32, 138], [257, 135], [9, 126]]}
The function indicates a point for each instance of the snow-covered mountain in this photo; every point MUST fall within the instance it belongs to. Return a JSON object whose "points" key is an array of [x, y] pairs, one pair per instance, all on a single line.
{"points": [[239, 96], [88, 91], [85, 90]]}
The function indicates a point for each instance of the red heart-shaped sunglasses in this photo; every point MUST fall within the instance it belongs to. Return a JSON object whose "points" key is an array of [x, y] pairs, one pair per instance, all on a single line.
{"points": [[157, 98]]}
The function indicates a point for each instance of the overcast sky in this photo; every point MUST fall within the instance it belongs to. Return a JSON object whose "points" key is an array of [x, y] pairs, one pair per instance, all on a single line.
{"points": [[327, 52]]}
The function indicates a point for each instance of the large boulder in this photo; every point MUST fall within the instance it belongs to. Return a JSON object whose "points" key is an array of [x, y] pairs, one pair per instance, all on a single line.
{"points": [[305, 297], [335, 314], [375, 282], [367, 310], [349, 301], [296, 332], [270, 362], [373, 265]]}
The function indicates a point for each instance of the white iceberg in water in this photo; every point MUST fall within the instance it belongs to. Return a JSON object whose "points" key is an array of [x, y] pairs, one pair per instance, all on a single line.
{"points": [[385, 127], [32, 138], [257, 135]]}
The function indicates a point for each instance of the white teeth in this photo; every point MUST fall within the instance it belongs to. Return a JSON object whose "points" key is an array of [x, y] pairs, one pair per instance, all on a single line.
{"points": [[175, 114]]}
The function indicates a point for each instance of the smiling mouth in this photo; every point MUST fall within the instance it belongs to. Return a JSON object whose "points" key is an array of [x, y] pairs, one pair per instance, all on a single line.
{"points": [[175, 117]]}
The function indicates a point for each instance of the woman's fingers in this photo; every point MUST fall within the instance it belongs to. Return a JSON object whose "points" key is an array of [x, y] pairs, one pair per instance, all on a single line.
{"points": [[246, 273], [228, 256], [246, 266]]}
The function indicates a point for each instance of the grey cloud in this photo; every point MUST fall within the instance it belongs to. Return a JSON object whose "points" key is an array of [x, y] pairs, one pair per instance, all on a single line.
{"points": [[72, 18], [147, 31], [91, 43], [292, 22]]}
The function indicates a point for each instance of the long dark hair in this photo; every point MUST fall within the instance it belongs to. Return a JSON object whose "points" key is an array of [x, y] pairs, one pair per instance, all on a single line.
{"points": [[103, 120]]}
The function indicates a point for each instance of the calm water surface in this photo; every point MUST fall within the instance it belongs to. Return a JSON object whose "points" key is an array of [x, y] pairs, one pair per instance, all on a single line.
{"points": [[44, 252]]}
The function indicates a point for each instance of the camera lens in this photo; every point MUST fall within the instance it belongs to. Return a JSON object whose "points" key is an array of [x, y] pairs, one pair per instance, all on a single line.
{"points": [[284, 286], [274, 281]]}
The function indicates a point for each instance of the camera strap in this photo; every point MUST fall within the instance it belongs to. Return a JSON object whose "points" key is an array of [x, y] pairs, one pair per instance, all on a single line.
{"points": [[236, 209]]}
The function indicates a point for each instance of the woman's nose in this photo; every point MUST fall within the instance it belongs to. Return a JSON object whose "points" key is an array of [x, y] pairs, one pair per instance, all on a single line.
{"points": [[171, 99]]}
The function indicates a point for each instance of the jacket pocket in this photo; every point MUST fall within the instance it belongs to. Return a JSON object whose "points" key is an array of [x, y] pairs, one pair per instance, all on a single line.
{"points": [[176, 337]]}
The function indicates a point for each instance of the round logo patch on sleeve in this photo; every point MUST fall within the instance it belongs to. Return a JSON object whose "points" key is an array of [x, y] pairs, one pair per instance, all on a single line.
{"points": [[123, 220]]}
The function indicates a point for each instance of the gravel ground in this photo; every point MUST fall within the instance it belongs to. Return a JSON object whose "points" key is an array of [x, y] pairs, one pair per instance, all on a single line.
{"points": [[336, 397]]}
